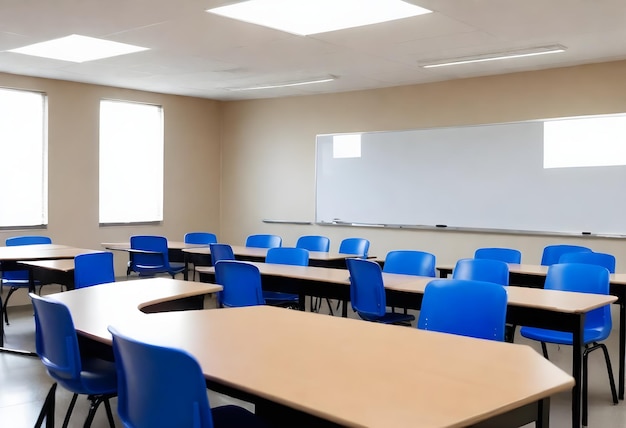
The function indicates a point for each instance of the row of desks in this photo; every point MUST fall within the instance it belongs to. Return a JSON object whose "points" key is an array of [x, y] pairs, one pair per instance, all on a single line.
{"points": [[346, 373], [527, 306]]}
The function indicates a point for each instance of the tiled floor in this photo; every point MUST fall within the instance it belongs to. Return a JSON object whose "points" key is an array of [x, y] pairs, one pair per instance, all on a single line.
{"points": [[24, 384]]}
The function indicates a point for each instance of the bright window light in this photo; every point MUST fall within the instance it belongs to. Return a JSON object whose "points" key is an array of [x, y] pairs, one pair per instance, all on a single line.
{"points": [[580, 142], [23, 158], [76, 48], [131, 162], [347, 146], [318, 16]]}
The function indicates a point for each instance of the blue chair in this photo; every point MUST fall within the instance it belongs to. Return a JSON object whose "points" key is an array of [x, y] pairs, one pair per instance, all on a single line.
{"points": [[221, 252], [264, 241], [367, 293], [285, 256], [241, 282], [410, 262], [464, 307], [314, 243], [508, 255], [150, 256], [57, 347], [592, 258], [18, 279], [198, 238], [552, 253], [357, 246], [165, 387], [486, 270], [582, 278], [93, 268]]}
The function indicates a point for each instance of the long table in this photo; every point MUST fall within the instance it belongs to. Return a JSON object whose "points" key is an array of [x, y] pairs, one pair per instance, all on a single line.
{"points": [[11, 256], [535, 307], [528, 275], [346, 373]]}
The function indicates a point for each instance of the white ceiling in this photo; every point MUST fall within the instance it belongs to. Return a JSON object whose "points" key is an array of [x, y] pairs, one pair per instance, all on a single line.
{"points": [[203, 55]]}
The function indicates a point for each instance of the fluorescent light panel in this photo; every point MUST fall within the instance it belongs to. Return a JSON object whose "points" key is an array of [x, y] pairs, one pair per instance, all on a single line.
{"points": [[305, 17], [287, 84], [542, 50], [76, 48]]}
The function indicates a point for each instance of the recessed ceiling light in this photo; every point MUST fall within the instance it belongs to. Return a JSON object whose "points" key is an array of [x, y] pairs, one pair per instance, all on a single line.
{"points": [[287, 84], [76, 48], [318, 16], [495, 56]]}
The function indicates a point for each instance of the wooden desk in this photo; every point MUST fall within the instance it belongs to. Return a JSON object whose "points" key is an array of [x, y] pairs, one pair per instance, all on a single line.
{"points": [[316, 258], [52, 271], [11, 256], [557, 310], [367, 374], [527, 275]]}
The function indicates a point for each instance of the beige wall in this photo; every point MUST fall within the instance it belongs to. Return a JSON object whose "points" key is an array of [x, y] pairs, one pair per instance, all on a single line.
{"points": [[265, 153], [192, 165], [268, 157]]}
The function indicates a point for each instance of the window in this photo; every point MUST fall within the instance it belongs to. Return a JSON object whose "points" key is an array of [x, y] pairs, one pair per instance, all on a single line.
{"points": [[131, 162], [23, 158], [585, 141], [347, 146]]}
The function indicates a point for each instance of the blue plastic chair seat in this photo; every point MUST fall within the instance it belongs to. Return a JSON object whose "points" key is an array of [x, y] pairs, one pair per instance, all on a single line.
{"points": [[562, 337], [97, 377]]}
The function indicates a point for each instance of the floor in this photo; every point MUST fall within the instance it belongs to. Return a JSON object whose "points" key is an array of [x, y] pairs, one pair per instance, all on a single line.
{"points": [[24, 383]]}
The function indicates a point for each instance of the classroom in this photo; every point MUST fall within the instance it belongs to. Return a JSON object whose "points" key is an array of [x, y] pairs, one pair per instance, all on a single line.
{"points": [[231, 164]]}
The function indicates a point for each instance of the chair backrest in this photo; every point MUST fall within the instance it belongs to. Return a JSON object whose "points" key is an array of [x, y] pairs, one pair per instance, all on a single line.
{"points": [[56, 341], [600, 259], [487, 270], [357, 246], [508, 255], [27, 240], [221, 252], [583, 278], [367, 290], [156, 244], [22, 275], [552, 253], [264, 241], [463, 307], [287, 256], [241, 282], [159, 386], [200, 238], [93, 268], [314, 243], [410, 262]]}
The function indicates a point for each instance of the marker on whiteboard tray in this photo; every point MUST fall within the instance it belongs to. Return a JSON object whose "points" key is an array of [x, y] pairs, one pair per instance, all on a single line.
{"points": [[441, 225], [586, 233]]}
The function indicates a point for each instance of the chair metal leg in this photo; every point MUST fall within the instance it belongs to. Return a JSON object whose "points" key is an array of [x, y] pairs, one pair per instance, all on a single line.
{"points": [[107, 406], [47, 410], [70, 408], [544, 349], [584, 387], [95, 402], [609, 369]]}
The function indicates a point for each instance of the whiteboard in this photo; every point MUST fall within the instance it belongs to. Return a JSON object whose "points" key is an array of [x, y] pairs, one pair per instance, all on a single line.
{"points": [[485, 177]]}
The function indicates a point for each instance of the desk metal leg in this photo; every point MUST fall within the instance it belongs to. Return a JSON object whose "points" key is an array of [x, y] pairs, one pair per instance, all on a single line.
{"points": [[577, 356], [622, 344]]}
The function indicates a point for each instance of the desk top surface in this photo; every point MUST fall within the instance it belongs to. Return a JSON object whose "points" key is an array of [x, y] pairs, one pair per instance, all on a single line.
{"points": [[262, 252], [553, 300], [379, 375], [172, 245], [41, 252], [94, 308]]}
